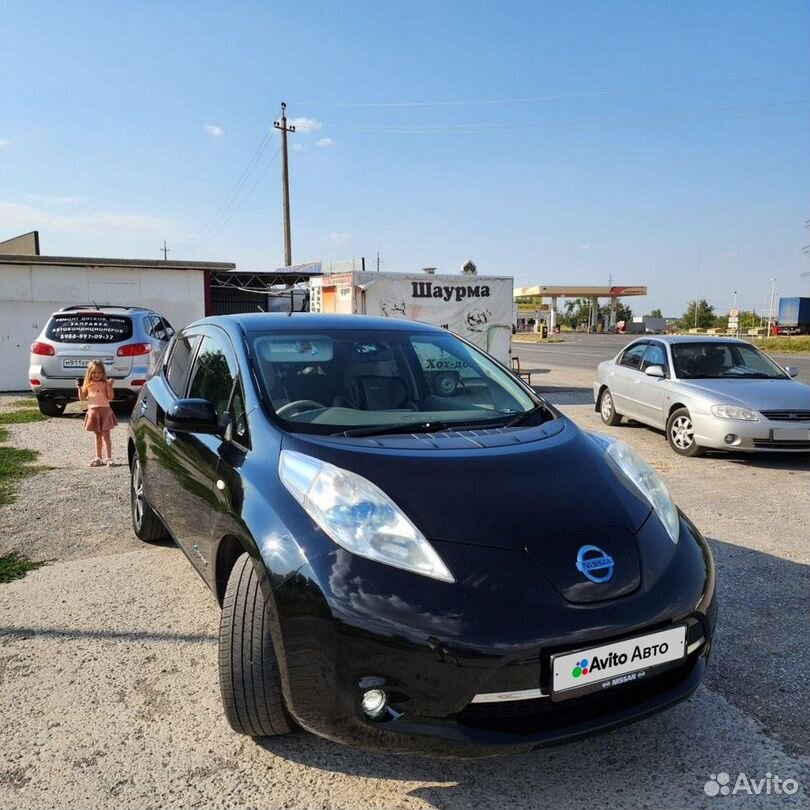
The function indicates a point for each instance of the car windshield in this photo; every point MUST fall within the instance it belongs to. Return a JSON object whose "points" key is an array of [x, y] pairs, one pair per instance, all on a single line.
{"points": [[714, 360], [362, 382]]}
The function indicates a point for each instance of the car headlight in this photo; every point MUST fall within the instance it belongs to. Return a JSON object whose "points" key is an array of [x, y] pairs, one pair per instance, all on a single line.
{"points": [[648, 481], [733, 412], [358, 515]]}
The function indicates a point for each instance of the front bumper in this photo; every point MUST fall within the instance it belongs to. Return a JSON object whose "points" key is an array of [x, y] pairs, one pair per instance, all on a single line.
{"points": [[346, 624], [762, 436]]}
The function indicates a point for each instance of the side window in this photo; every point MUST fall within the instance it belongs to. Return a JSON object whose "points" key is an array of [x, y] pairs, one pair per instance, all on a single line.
{"points": [[239, 423], [632, 356], [655, 356], [211, 376], [167, 328], [179, 361]]}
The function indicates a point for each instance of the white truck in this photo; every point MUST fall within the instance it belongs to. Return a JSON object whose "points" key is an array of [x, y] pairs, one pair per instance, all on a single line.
{"points": [[479, 308]]}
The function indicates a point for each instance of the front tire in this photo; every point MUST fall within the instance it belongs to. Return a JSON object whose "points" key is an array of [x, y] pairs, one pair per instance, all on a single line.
{"points": [[249, 680], [145, 522], [681, 434], [48, 406], [607, 410]]}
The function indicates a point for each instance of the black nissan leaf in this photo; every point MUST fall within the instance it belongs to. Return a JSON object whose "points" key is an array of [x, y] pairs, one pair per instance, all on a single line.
{"points": [[459, 572]]}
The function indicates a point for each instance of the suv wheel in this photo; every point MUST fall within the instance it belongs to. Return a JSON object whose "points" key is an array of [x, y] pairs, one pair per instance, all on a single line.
{"points": [[248, 668], [145, 522], [48, 406], [607, 410], [681, 434]]}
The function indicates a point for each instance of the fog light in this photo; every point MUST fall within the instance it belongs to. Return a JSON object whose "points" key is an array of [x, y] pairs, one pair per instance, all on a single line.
{"points": [[373, 703], [731, 438]]}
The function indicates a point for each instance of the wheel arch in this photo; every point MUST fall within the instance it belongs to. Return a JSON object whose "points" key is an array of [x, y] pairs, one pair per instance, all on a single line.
{"points": [[598, 404], [229, 550], [674, 407]]}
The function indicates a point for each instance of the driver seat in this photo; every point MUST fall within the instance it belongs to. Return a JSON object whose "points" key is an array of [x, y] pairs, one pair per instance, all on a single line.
{"points": [[376, 393]]}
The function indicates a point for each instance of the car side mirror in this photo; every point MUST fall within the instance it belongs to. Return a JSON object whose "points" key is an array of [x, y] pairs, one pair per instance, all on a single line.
{"points": [[792, 371], [192, 416], [654, 371]]}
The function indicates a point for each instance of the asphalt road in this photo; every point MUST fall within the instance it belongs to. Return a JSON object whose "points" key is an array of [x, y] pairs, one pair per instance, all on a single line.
{"points": [[587, 351]]}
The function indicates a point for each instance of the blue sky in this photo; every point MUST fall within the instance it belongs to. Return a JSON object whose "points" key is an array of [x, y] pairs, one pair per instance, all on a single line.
{"points": [[560, 143]]}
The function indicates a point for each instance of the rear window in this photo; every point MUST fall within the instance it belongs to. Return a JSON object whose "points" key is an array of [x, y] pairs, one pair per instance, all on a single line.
{"points": [[89, 328]]}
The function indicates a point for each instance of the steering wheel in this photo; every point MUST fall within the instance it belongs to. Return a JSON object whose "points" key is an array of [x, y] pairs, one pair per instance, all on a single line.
{"points": [[299, 406]]}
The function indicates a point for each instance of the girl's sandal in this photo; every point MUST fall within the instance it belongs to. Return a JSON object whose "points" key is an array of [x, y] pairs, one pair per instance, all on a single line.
{"points": [[109, 462], [96, 462]]}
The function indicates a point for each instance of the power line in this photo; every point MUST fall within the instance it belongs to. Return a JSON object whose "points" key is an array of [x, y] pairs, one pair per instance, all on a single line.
{"points": [[703, 114], [237, 205], [201, 233], [559, 97]]}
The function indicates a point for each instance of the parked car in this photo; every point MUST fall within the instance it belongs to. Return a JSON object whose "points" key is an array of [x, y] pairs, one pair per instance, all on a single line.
{"points": [[404, 570], [128, 340], [706, 393]]}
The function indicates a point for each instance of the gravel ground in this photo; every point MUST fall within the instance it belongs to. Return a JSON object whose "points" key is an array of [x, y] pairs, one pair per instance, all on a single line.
{"points": [[108, 663]]}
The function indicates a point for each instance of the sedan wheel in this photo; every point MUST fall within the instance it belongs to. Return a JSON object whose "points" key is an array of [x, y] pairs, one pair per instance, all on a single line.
{"points": [[681, 434], [607, 409], [145, 522]]}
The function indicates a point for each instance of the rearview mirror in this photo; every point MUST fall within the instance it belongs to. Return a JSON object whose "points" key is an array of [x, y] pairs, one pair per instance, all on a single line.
{"points": [[791, 371], [192, 416], [654, 371]]}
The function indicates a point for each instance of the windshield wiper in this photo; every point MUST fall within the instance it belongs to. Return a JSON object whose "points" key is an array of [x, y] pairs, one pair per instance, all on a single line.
{"points": [[431, 426], [437, 426]]}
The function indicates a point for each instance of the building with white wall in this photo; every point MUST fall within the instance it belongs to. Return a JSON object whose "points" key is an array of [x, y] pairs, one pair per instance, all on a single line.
{"points": [[32, 287]]}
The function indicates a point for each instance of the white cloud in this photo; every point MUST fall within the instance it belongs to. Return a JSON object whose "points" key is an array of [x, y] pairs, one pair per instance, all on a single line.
{"points": [[53, 200], [21, 218], [297, 147], [586, 246], [4, 144], [324, 142], [304, 124], [338, 239], [215, 131]]}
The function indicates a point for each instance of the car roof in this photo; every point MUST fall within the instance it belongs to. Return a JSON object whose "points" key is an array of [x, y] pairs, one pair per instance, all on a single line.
{"points": [[671, 339], [283, 322]]}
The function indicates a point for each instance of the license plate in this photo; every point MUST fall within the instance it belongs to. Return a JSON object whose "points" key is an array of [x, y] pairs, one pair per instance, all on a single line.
{"points": [[612, 664], [76, 362], [791, 435]]}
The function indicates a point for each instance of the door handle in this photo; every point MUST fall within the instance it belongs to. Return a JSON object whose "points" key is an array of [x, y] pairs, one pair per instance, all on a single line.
{"points": [[168, 436]]}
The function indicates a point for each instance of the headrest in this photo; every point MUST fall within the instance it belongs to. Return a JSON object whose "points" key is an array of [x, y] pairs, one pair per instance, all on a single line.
{"points": [[382, 393]]}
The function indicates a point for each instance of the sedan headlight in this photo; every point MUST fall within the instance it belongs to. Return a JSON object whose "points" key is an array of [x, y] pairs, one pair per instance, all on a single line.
{"points": [[733, 412], [358, 515], [648, 481]]}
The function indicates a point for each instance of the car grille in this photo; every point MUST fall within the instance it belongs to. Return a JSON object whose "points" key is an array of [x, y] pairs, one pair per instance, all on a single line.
{"points": [[787, 416], [768, 444]]}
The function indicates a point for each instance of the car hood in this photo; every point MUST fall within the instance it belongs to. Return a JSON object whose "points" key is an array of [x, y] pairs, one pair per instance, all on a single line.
{"points": [[497, 488], [759, 395]]}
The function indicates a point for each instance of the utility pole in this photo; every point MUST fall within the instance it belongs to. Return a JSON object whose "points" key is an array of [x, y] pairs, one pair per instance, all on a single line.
{"points": [[378, 261], [285, 176], [165, 251], [770, 307]]}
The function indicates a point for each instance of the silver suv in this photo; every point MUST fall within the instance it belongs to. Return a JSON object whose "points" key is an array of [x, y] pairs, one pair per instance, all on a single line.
{"points": [[128, 340]]}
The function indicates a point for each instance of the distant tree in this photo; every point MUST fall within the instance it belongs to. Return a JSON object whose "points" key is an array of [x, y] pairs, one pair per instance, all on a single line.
{"points": [[656, 313], [705, 315]]}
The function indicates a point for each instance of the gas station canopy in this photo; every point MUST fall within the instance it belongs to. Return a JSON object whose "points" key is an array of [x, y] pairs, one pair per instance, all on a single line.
{"points": [[578, 292], [594, 293]]}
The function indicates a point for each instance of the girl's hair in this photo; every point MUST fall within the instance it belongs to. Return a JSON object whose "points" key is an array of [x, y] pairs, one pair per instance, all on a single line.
{"points": [[91, 367]]}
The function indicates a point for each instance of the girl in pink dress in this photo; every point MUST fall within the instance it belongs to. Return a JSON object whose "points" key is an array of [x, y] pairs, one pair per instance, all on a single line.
{"points": [[97, 392]]}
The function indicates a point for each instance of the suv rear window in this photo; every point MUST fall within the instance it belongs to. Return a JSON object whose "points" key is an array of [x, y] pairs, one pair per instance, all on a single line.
{"points": [[89, 327]]}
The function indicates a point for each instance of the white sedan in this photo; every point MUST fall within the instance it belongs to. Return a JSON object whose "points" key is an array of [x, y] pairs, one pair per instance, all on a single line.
{"points": [[706, 393]]}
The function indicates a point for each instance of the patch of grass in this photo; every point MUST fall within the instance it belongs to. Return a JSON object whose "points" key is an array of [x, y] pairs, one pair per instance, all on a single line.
{"points": [[21, 417], [15, 566], [785, 345], [31, 402]]}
